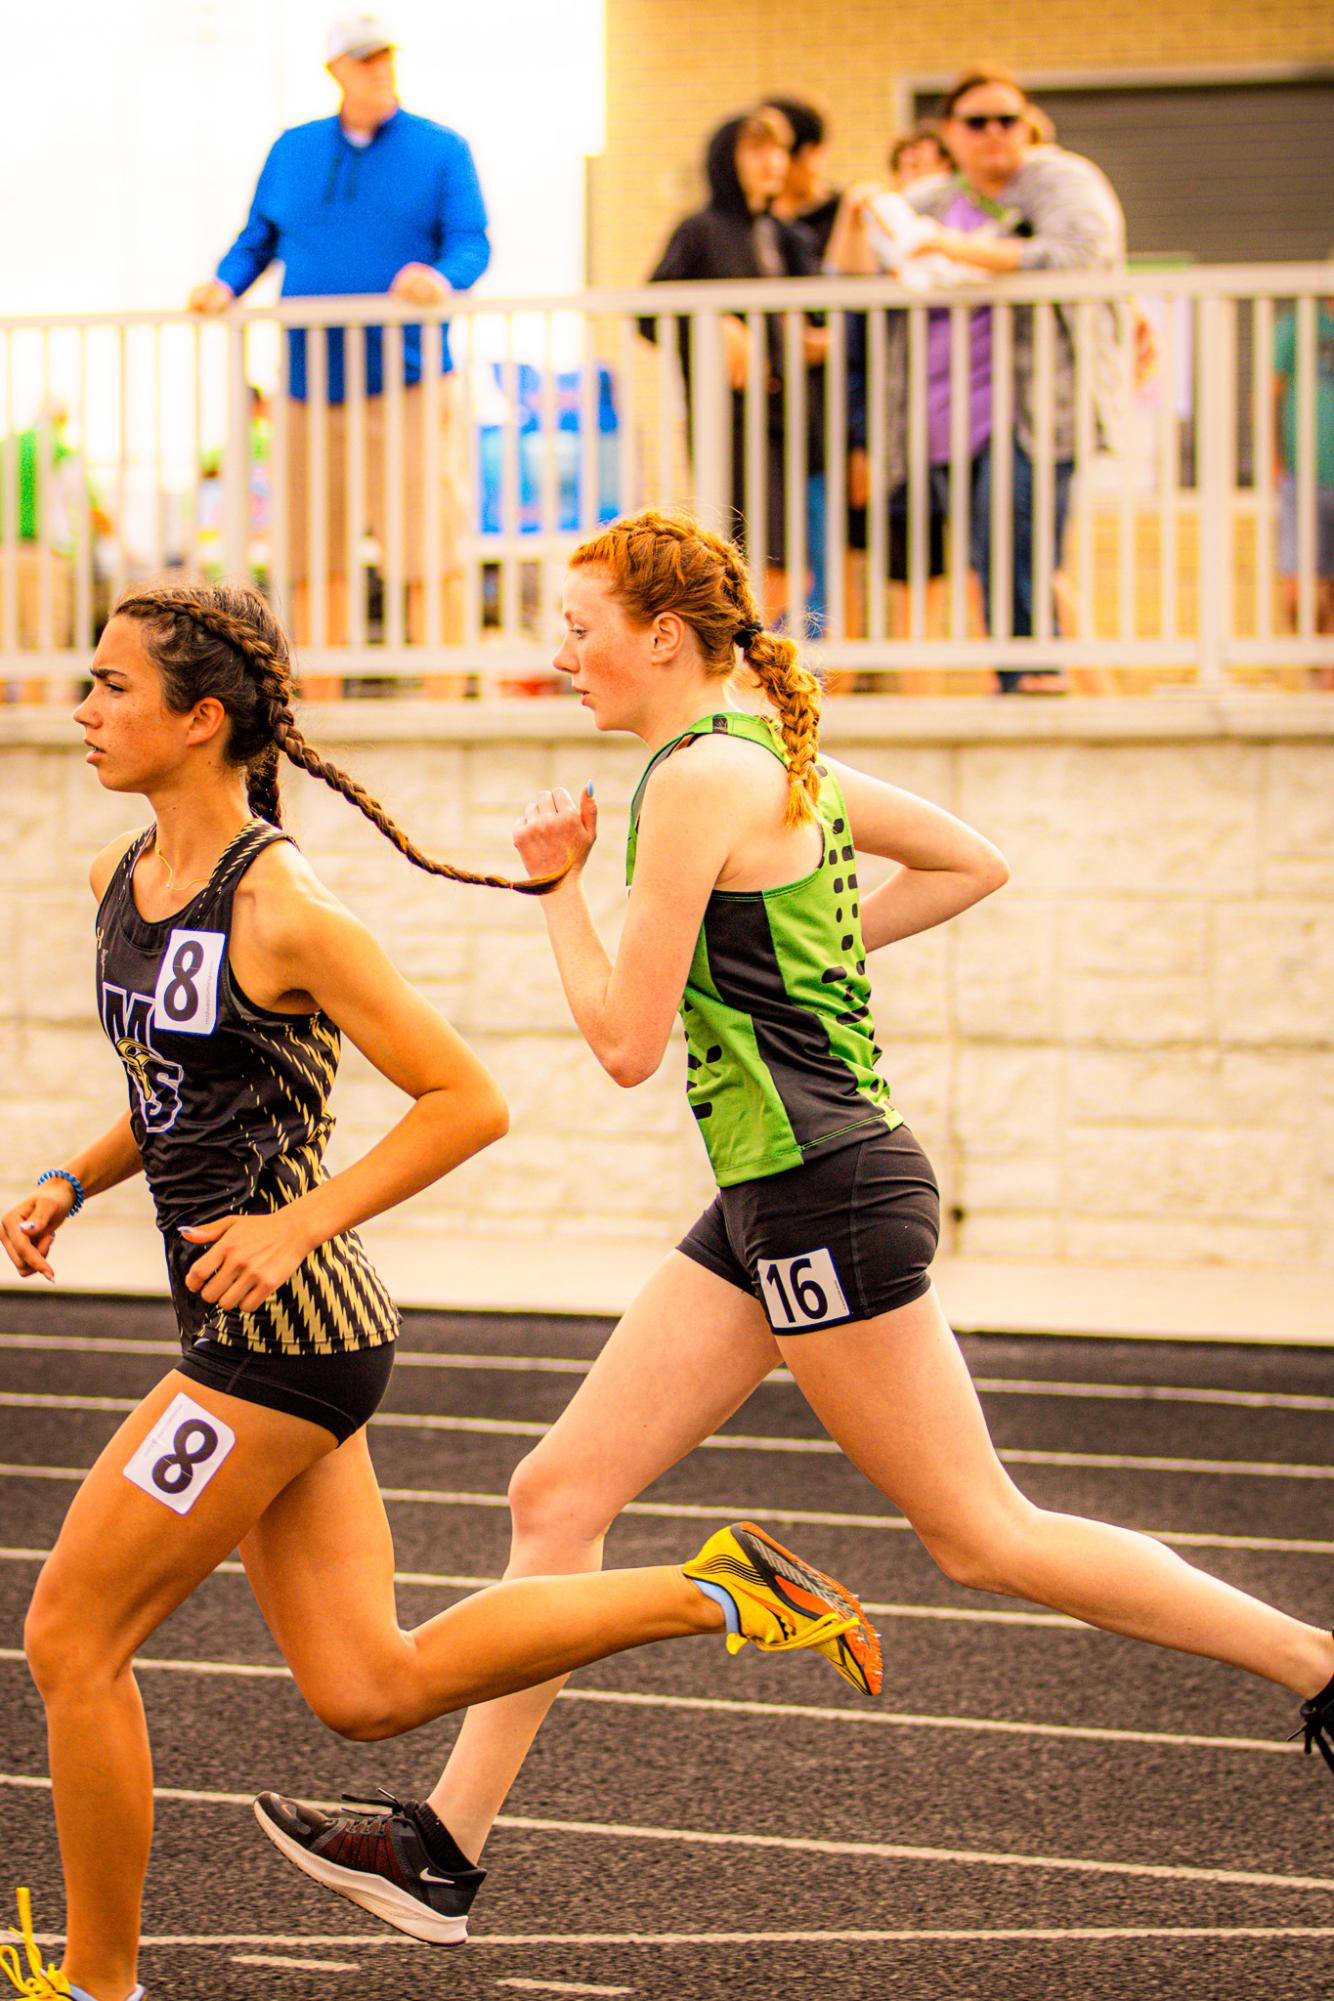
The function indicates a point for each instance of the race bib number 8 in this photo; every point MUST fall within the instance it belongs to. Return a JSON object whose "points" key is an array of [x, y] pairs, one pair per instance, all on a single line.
{"points": [[186, 999], [802, 1292], [181, 1454]]}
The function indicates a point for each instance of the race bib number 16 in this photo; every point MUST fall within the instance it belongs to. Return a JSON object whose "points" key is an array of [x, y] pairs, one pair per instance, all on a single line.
{"points": [[186, 999], [802, 1292]]}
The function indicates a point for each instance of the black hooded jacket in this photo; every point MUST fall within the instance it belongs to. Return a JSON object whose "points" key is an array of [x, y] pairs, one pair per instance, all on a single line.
{"points": [[718, 241]]}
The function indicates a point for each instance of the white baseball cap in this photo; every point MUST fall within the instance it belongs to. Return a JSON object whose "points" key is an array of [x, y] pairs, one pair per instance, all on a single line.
{"points": [[357, 35]]}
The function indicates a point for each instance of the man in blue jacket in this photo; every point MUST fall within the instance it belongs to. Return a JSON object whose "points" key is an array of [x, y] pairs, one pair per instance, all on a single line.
{"points": [[373, 200]]}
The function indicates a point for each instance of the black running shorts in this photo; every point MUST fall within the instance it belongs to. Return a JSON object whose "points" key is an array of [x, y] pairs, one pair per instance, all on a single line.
{"points": [[844, 1237], [340, 1391]]}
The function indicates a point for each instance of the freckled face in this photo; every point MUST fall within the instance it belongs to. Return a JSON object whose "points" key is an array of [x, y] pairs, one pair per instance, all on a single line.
{"points": [[134, 740], [606, 657]]}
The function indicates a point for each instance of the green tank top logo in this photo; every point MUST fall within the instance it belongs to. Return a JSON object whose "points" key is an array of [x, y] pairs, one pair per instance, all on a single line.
{"points": [[781, 1053]]}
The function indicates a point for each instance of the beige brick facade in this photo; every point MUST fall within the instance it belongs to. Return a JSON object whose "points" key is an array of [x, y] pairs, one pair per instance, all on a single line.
{"points": [[1127, 1056], [676, 68]]}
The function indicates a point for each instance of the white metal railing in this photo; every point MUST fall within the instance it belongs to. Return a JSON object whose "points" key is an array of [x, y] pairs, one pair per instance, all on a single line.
{"points": [[423, 531]]}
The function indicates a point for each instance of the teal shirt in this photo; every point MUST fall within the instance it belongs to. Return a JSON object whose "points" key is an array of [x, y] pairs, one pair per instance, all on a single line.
{"points": [[781, 1052], [1285, 365]]}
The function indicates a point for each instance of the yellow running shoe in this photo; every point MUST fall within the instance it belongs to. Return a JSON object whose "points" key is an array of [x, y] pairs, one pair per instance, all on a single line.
{"points": [[782, 1603], [39, 1983]]}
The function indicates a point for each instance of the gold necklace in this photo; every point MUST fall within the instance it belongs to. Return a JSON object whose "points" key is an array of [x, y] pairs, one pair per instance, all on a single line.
{"points": [[189, 881]]}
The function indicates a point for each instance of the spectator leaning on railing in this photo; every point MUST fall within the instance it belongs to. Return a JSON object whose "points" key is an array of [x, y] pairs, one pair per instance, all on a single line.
{"points": [[736, 235], [373, 200], [1013, 206]]}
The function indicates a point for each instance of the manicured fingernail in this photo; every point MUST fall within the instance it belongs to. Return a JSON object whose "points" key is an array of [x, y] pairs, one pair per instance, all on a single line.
{"points": [[29, 1227], [589, 788]]}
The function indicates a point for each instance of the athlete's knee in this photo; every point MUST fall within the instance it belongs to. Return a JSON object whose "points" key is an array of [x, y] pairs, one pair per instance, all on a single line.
{"points": [[987, 1551], [66, 1643], [555, 1507], [363, 1711]]}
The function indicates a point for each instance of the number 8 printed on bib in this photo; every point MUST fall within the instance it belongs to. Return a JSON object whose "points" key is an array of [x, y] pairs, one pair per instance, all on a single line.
{"points": [[186, 999], [181, 1454]]}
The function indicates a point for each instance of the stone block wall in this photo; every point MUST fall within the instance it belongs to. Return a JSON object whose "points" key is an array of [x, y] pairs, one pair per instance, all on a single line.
{"points": [[1125, 1056]]}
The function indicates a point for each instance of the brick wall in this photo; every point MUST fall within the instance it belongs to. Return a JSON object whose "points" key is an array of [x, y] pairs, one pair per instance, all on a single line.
{"points": [[676, 68], [1127, 1055]]}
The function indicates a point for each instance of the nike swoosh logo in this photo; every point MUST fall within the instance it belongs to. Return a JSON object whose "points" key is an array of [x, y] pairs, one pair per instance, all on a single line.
{"points": [[429, 1876]]}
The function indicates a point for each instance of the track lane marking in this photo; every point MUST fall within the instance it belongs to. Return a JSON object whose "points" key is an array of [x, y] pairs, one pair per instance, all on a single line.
{"points": [[299, 1965], [1004, 1934], [695, 1511], [808, 1711], [787, 1843], [571, 1366], [876, 1851], [440, 1581], [497, 1427], [561, 1987]]}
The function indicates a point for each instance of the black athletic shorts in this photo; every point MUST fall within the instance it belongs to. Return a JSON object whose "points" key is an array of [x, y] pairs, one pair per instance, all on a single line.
{"points": [[340, 1391], [844, 1237]]}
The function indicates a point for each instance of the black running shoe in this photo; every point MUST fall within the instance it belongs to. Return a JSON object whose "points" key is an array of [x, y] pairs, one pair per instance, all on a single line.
{"points": [[1318, 1724], [378, 1860]]}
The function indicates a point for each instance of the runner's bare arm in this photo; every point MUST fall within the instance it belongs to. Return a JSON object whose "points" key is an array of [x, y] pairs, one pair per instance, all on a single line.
{"points": [[624, 1010], [943, 865], [27, 1230]]}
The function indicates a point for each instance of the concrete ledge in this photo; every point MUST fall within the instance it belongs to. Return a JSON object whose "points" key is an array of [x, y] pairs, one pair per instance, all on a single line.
{"points": [[507, 1272]]}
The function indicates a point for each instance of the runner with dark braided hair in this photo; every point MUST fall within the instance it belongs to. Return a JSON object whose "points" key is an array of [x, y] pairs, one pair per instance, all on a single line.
{"points": [[226, 975], [222, 640]]}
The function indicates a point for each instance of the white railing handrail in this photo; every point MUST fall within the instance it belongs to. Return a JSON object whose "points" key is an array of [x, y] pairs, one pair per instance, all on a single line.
{"points": [[1228, 281]]}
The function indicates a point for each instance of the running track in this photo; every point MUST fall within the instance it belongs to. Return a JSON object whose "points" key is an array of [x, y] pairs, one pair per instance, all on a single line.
{"points": [[1032, 1809]]}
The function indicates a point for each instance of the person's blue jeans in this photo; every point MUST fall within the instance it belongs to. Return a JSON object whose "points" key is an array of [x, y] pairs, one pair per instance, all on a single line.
{"points": [[1021, 575]]}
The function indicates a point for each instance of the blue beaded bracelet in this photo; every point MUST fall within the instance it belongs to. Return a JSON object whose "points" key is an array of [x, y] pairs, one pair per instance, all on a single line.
{"points": [[63, 1174]]}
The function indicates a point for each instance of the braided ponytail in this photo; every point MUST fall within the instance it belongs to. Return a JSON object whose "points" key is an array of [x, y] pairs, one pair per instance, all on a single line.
{"points": [[792, 689], [667, 562], [223, 641], [795, 694]]}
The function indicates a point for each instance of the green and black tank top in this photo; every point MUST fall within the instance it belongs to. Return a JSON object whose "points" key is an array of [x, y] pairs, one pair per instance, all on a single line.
{"points": [[781, 1049], [229, 1107]]}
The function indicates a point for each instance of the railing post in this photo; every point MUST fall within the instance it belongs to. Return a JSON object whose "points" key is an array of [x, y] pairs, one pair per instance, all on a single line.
{"points": [[236, 460], [709, 419], [1212, 460]]}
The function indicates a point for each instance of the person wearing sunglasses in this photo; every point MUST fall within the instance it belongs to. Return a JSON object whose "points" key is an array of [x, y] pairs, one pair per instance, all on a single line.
{"points": [[1013, 205]]}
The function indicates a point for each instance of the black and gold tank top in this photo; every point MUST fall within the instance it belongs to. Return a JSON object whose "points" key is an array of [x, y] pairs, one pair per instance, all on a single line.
{"points": [[228, 1107]]}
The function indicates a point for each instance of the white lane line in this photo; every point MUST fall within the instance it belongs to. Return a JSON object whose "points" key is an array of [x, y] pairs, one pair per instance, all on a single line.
{"points": [[874, 1851], [1001, 1934], [810, 1712], [300, 1965], [560, 1987], [694, 1511], [497, 1427], [441, 1581], [1028, 1386]]}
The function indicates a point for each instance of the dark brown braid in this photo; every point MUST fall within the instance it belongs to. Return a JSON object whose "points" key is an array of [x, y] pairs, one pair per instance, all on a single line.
{"points": [[222, 640], [668, 562]]}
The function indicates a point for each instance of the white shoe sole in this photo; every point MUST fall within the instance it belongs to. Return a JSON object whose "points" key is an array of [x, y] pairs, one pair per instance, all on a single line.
{"points": [[382, 1899]]}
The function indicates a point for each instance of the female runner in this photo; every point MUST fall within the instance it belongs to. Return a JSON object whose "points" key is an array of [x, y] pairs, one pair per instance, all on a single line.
{"points": [[746, 914], [225, 972]]}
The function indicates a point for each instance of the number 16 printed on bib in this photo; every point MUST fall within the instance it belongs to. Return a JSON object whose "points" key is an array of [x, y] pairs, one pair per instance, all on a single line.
{"points": [[802, 1292]]}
